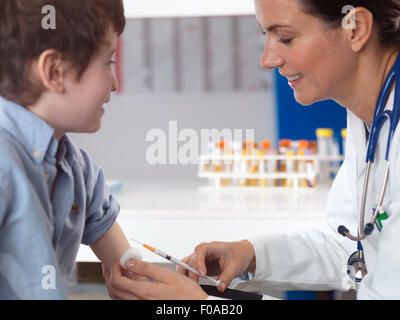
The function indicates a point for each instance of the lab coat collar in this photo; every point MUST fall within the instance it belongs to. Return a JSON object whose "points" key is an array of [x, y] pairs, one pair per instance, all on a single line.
{"points": [[357, 128]]}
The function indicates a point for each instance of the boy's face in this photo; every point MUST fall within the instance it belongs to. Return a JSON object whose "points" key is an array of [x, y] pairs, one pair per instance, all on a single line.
{"points": [[80, 108]]}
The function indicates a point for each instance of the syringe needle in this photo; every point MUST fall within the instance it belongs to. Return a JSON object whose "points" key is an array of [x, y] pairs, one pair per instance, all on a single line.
{"points": [[137, 241], [176, 261]]}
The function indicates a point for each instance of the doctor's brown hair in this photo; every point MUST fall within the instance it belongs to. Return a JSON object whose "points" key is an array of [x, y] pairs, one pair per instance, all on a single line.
{"points": [[81, 27], [386, 15]]}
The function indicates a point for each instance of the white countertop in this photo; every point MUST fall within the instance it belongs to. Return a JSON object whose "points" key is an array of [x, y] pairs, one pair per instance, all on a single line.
{"points": [[176, 216]]}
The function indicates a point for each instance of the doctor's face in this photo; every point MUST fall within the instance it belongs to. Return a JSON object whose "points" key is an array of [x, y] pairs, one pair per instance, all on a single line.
{"points": [[313, 58]]}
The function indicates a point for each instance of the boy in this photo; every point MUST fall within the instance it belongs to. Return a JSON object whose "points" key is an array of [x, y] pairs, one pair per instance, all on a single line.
{"points": [[52, 196]]}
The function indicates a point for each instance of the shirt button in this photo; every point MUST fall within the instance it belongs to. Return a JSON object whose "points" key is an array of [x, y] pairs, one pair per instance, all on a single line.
{"points": [[37, 154], [75, 209]]}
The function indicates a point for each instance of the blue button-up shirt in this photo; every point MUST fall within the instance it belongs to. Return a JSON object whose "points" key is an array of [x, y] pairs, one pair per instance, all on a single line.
{"points": [[52, 199]]}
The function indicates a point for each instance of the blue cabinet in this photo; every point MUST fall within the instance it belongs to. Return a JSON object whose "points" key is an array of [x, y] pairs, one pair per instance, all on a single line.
{"points": [[300, 122]]}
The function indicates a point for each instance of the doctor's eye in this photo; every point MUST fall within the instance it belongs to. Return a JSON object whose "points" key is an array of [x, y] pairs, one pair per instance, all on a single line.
{"points": [[285, 41]]}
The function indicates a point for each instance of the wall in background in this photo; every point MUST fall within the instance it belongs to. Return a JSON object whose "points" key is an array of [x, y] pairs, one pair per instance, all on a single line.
{"points": [[218, 54], [187, 8], [203, 73]]}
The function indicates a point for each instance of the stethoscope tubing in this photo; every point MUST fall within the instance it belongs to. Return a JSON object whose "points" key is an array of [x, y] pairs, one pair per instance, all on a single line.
{"points": [[380, 117], [367, 230]]}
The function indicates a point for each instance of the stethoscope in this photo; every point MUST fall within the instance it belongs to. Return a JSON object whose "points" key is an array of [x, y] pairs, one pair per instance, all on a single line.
{"points": [[356, 268]]}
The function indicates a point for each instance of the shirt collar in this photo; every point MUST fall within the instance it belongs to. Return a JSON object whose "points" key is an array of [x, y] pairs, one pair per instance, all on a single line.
{"points": [[36, 136]]}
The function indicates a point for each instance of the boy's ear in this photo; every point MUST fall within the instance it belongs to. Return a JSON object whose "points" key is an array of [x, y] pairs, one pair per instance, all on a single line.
{"points": [[51, 70]]}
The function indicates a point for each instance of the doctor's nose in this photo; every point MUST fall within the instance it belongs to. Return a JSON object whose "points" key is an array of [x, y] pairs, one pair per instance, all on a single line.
{"points": [[270, 59]]}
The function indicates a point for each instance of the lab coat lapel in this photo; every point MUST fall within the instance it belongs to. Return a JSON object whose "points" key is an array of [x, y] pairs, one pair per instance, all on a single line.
{"points": [[357, 155]]}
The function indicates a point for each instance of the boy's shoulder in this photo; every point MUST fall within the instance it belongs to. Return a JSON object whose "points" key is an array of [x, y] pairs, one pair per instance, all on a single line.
{"points": [[10, 150], [80, 156], [12, 168]]}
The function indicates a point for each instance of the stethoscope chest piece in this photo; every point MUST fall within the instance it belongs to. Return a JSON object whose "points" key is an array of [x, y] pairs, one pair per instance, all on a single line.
{"points": [[356, 268]]}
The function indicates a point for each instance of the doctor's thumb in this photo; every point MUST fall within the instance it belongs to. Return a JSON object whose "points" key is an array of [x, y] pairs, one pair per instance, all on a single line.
{"points": [[225, 280], [226, 277], [221, 287]]}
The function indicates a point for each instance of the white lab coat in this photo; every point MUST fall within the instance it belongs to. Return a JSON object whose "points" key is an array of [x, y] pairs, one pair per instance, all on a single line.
{"points": [[317, 259]]}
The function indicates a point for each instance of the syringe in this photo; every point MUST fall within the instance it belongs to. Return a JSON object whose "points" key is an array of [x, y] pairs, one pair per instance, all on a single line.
{"points": [[176, 261]]}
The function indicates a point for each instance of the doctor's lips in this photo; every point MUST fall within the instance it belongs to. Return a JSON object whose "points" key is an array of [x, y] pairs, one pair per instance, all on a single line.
{"points": [[294, 79]]}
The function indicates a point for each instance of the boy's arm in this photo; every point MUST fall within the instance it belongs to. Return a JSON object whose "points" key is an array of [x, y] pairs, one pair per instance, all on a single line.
{"points": [[102, 232], [110, 247]]}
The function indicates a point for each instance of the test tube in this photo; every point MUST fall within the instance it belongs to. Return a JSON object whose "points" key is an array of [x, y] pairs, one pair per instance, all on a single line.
{"points": [[311, 178], [284, 145], [301, 163], [324, 150], [227, 164], [237, 163], [290, 168], [252, 164], [262, 168], [219, 151], [207, 162], [266, 166]]}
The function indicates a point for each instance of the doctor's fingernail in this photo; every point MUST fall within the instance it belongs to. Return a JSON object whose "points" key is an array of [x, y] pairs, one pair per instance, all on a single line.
{"points": [[222, 286], [131, 264]]}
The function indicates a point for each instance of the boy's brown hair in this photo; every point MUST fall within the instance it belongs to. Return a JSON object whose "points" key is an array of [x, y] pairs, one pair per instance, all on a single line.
{"points": [[81, 26]]}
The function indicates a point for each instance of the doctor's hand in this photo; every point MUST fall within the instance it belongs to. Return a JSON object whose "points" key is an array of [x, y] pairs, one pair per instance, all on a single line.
{"points": [[107, 278], [151, 283], [227, 260]]}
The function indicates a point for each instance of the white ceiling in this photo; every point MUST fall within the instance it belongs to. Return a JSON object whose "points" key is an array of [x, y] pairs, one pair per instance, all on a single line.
{"points": [[187, 8]]}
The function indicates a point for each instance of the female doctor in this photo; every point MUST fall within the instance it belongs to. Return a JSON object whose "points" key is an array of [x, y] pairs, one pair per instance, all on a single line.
{"points": [[325, 51]]}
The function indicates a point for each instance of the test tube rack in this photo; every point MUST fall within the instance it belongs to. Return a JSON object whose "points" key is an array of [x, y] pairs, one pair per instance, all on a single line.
{"points": [[222, 171]]}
